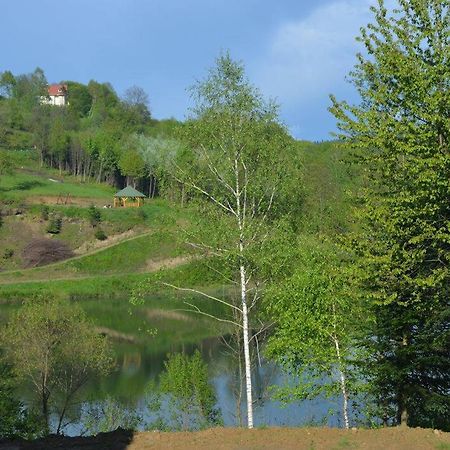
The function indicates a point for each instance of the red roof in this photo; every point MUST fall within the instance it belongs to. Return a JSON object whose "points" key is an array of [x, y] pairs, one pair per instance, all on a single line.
{"points": [[57, 89]]}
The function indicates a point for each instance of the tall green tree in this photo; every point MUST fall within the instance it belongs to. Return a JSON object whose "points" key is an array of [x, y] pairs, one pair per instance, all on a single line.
{"points": [[79, 97], [136, 99], [316, 328], [59, 141], [132, 165], [401, 130], [40, 123], [29, 88], [7, 83], [159, 155], [240, 172], [15, 419]]}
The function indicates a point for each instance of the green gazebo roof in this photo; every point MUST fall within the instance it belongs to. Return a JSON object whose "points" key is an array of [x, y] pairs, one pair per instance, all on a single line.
{"points": [[129, 192]]}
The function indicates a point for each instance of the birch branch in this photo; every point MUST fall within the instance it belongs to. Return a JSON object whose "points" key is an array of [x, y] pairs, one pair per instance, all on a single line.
{"points": [[204, 294], [262, 330], [215, 172], [197, 310], [202, 191]]}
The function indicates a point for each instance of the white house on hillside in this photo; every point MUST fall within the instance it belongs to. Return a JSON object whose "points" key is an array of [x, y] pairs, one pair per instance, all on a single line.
{"points": [[57, 95]]}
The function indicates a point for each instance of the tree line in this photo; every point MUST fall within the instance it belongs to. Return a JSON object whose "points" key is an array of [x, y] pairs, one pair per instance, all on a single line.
{"points": [[97, 136]]}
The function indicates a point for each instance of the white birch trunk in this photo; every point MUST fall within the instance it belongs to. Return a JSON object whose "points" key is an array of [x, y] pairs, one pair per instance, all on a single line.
{"points": [[248, 374], [240, 215], [343, 384]]}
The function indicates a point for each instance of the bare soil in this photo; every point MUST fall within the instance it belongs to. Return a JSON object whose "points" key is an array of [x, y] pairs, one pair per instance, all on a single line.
{"points": [[167, 263], [241, 439], [71, 201]]}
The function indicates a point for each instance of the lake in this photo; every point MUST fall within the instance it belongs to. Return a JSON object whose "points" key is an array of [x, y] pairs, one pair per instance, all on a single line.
{"points": [[138, 365], [160, 330]]}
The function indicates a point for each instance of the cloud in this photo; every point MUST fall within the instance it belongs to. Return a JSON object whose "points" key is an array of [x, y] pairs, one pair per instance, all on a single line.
{"points": [[309, 58]]}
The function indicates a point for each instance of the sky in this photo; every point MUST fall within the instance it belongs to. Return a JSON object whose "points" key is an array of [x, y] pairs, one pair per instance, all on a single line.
{"points": [[295, 51]]}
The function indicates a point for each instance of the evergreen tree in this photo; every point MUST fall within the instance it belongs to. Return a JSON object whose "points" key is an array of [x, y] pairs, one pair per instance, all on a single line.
{"points": [[95, 216], [401, 129]]}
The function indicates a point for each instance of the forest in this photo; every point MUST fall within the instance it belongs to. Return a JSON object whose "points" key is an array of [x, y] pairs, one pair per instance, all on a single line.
{"points": [[350, 299]]}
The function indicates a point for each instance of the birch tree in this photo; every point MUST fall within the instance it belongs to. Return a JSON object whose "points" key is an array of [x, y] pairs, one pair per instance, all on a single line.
{"points": [[159, 155], [317, 322], [237, 175]]}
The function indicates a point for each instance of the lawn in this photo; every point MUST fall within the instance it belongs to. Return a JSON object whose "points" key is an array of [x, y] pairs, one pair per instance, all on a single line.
{"points": [[24, 184]]}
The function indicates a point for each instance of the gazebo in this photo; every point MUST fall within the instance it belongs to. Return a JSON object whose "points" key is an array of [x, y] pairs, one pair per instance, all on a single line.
{"points": [[128, 197]]}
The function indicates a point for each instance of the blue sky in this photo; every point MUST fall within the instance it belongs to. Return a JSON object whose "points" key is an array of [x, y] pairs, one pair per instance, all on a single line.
{"points": [[295, 51]]}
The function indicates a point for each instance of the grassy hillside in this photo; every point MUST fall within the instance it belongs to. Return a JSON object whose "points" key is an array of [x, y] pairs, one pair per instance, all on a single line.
{"points": [[133, 255], [141, 237], [30, 182]]}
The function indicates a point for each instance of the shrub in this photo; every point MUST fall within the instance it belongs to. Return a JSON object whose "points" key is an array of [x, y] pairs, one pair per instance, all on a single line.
{"points": [[95, 216], [45, 251], [8, 253], [45, 210], [1, 220], [109, 415], [55, 225], [141, 214], [101, 235]]}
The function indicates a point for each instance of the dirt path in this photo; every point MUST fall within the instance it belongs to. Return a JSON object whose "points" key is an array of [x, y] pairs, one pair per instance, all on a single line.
{"points": [[71, 201], [241, 439], [91, 247], [154, 267]]}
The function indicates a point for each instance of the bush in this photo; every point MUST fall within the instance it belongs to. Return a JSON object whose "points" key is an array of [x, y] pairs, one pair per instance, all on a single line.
{"points": [[101, 235], [45, 251], [109, 415], [8, 253], [45, 210], [141, 214], [95, 216], [1, 220], [55, 225]]}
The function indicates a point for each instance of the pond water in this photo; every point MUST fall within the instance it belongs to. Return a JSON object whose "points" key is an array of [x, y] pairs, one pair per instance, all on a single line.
{"points": [[138, 365]]}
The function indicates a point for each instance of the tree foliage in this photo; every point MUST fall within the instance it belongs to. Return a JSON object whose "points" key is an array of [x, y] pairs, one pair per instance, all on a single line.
{"points": [[186, 393], [401, 129], [97, 135], [15, 419], [51, 345], [316, 328], [238, 166]]}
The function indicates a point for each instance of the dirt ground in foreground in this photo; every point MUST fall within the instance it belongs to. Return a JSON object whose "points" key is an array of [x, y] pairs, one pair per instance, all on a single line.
{"points": [[241, 439]]}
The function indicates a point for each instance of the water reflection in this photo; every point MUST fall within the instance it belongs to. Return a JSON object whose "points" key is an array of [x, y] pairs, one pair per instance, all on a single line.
{"points": [[138, 365]]}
